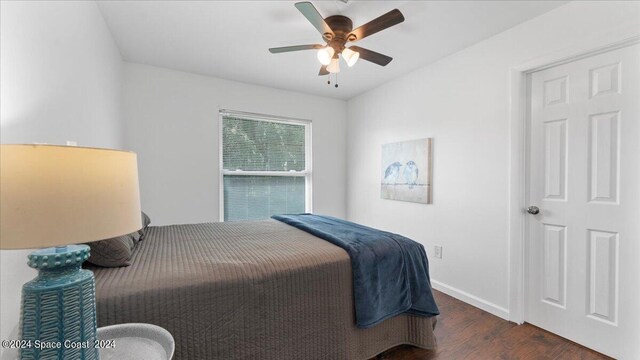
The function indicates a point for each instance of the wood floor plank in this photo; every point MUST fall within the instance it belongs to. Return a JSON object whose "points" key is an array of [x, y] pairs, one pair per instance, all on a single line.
{"points": [[466, 332]]}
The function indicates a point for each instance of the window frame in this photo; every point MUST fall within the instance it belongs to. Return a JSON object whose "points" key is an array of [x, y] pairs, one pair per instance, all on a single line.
{"points": [[307, 173]]}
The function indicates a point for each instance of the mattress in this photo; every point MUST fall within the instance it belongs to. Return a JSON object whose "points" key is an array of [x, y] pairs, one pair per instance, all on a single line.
{"points": [[248, 290]]}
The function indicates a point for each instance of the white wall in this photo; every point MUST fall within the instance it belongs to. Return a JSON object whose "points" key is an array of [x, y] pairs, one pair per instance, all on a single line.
{"points": [[462, 101], [61, 80], [172, 123]]}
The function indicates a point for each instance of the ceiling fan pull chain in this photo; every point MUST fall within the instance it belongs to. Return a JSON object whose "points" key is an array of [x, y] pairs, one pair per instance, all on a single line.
{"points": [[336, 79], [329, 78]]}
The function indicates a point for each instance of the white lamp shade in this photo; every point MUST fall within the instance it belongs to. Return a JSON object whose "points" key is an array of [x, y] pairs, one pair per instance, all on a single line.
{"points": [[350, 56], [60, 195], [325, 55], [334, 66]]}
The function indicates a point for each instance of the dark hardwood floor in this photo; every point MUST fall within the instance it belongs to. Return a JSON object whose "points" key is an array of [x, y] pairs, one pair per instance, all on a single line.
{"points": [[466, 332]]}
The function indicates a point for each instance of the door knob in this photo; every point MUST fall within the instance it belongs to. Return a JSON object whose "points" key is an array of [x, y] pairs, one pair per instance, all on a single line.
{"points": [[533, 210]]}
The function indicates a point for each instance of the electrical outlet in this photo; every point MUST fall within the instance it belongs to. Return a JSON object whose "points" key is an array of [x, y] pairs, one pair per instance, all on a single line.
{"points": [[437, 251]]}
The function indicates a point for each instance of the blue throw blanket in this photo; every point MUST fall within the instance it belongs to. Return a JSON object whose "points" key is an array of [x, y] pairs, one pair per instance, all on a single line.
{"points": [[390, 272]]}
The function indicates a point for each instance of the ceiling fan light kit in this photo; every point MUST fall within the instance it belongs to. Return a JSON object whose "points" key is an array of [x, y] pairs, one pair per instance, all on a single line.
{"points": [[325, 55], [336, 31], [334, 66], [350, 56]]}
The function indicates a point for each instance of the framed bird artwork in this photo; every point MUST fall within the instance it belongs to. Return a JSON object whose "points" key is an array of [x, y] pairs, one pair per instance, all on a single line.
{"points": [[406, 171]]}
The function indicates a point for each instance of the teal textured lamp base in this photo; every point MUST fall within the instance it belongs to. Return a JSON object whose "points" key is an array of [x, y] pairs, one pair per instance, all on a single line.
{"points": [[59, 307]]}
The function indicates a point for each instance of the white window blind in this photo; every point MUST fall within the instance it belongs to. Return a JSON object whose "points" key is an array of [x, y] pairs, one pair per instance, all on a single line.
{"points": [[265, 166]]}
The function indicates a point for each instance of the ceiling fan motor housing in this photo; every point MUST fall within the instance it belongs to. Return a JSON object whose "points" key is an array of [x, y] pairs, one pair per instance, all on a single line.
{"points": [[341, 26]]}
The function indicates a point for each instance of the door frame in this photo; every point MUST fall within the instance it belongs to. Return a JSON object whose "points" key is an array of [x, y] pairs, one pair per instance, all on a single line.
{"points": [[519, 159]]}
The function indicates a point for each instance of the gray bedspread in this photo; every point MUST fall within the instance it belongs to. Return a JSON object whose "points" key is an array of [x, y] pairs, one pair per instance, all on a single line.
{"points": [[248, 290]]}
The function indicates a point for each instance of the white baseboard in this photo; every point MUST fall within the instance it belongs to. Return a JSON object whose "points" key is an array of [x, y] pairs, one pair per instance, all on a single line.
{"points": [[471, 299]]}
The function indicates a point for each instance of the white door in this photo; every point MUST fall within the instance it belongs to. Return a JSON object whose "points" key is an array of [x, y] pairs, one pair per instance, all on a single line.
{"points": [[583, 247]]}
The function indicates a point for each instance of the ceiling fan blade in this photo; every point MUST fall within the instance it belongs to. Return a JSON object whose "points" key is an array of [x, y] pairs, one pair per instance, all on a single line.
{"points": [[393, 17], [323, 70], [372, 56], [295, 48], [311, 13]]}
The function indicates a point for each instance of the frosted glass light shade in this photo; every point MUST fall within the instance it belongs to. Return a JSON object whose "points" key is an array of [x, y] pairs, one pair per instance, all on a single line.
{"points": [[325, 55], [60, 195], [334, 66], [350, 56]]}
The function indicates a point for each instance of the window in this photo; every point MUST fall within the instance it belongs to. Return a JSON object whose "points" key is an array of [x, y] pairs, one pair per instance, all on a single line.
{"points": [[265, 166]]}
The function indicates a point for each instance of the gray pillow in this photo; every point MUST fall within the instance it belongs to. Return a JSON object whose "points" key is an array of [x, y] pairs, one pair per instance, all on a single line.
{"points": [[145, 224], [114, 252], [117, 251]]}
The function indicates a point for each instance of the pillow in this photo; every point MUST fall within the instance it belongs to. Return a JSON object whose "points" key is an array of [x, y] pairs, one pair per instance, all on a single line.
{"points": [[114, 252], [117, 251], [145, 224]]}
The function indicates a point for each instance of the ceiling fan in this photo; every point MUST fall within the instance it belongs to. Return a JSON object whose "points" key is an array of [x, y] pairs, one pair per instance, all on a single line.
{"points": [[336, 31]]}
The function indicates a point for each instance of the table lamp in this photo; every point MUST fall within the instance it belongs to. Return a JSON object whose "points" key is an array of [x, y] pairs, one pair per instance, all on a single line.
{"points": [[53, 197]]}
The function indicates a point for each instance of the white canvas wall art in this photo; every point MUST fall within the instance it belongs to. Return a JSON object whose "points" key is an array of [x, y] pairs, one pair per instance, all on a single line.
{"points": [[406, 171]]}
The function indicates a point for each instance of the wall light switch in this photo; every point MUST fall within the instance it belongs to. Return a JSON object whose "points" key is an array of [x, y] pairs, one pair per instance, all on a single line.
{"points": [[437, 251]]}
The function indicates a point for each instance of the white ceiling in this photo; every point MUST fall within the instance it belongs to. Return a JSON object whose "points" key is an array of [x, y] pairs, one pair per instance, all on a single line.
{"points": [[229, 39]]}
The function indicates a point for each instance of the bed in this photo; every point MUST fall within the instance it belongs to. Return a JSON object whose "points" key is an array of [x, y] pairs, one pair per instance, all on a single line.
{"points": [[248, 290]]}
